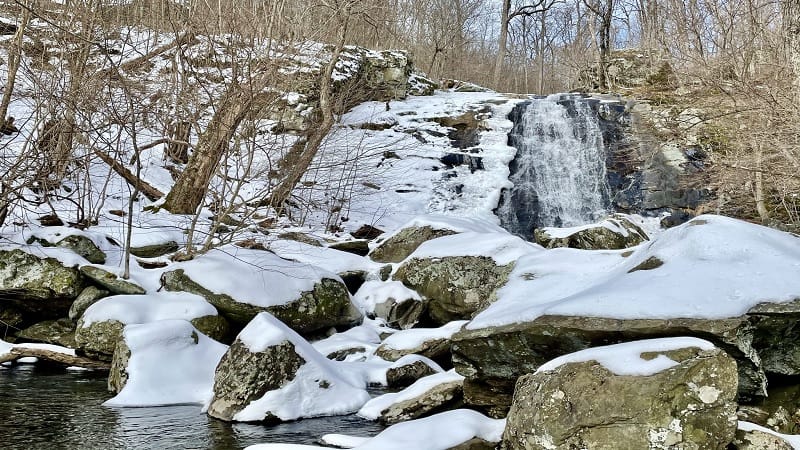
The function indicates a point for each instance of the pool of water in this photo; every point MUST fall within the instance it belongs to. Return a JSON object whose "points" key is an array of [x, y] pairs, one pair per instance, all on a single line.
{"points": [[42, 408]]}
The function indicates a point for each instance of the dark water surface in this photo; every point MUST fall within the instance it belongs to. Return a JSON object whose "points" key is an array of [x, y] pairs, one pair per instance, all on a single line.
{"points": [[54, 409]]}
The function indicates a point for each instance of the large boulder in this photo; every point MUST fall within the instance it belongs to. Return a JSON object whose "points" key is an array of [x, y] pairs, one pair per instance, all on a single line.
{"points": [[457, 286], [100, 327], [493, 358], [248, 282], [163, 363], [616, 232], [42, 286], [662, 393], [271, 374], [460, 274], [706, 279], [401, 244]]}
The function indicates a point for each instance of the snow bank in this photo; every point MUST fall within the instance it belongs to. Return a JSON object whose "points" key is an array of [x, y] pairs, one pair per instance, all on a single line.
{"points": [[438, 432], [414, 337], [332, 260], [713, 267], [131, 309], [373, 408], [792, 439], [251, 276], [625, 359], [170, 363], [304, 396], [501, 246]]}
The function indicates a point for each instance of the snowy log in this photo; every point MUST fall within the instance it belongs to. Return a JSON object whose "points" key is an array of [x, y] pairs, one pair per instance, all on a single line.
{"points": [[56, 357]]}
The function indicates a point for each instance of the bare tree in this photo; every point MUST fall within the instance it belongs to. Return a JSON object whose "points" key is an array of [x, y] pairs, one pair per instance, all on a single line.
{"points": [[604, 12], [506, 16]]}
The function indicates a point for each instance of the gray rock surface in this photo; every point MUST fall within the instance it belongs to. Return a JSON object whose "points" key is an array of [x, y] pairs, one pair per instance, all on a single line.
{"points": [[492, 359], [40, 286], [397, 247], [110, 281], [89, 296], [456, 287], [327, 305], [690, 405]]}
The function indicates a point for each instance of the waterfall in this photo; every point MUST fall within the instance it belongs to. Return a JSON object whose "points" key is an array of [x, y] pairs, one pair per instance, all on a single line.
{"points": [[559, 172]]}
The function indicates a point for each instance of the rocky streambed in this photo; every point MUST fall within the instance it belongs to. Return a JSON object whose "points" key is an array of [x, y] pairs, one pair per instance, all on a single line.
{"points": [[609, 338]]}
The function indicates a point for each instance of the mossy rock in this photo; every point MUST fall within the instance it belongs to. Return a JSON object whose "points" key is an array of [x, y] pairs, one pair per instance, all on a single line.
{"points": [[57, 332], [99, 339], [690, 405], [493, 358], [118, 375], [87, 298], [243, 376], [155, 250], [611, 234], [401, 245], [83, 246], [326, 305], [42, 286], [111, 282], [456, 286]]}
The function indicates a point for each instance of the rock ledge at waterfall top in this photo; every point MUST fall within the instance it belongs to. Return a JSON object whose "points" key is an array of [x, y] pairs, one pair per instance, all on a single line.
{"points": [[712, 267]]}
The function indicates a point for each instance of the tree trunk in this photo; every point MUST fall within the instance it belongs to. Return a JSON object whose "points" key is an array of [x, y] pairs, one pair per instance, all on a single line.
{"points": [[791, 17], [502, 43], [14, 56], [283, 190], [190, 189]]}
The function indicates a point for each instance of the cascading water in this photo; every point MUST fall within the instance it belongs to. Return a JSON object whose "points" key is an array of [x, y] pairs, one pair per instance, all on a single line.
{"points": [[559, 173]]}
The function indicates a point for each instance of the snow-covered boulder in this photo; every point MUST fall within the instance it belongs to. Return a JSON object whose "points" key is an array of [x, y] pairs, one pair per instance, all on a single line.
{"points": [[616, 232], [42, 286], [714, 278], [163, 363], [101, 325], [84, 246], [270, 373], [433, 343], [460, 274], [391, 301], [397, 246], [242, 282], [660, 393], [401, 244], [432, 393]]}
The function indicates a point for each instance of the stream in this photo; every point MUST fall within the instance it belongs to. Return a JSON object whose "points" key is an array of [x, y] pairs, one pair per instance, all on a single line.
{"points": [[47, 408]]}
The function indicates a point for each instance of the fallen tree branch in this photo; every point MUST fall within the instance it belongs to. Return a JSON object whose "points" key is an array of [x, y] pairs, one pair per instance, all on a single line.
{"points": [[144, 187], [49, 355]]}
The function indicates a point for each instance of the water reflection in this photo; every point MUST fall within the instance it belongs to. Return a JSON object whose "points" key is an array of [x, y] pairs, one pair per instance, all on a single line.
{"points": [[47, 409]]}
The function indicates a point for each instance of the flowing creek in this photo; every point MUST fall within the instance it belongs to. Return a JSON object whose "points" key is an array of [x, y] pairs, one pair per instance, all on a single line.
{"points": [[53, 409]]}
